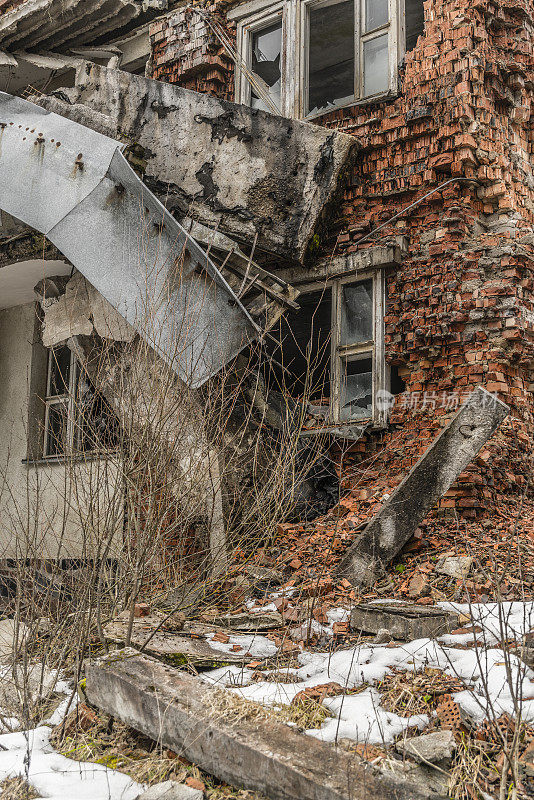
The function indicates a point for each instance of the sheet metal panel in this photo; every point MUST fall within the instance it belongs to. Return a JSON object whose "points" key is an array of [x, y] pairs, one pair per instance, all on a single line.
{"points": [[86, 199]]}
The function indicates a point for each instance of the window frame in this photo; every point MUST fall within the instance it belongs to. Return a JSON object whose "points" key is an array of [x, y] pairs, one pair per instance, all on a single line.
{"points": [[264, 17], [68, 400], [257, 14], [373, 348], [376, 347]]}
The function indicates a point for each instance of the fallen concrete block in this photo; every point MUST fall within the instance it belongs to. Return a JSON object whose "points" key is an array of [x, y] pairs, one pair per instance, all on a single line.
{"points": [[251, 622], [176, 649], [228, 166], [405, 621], [429, 747], [455, 566], [199, 722], [171, 790], [430, 478]]}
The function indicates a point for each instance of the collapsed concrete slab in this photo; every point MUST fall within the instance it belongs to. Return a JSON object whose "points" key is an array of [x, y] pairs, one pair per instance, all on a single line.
{"points": [[176, 649], [75, 186], [406, 621], [193, 719], [430, 478], [231, 167], [54, 22]]}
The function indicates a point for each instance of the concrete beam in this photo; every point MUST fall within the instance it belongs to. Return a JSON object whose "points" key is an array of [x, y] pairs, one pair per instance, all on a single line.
{"points": [[228, 166], [406, 621], [430, 478], [191, 717]]}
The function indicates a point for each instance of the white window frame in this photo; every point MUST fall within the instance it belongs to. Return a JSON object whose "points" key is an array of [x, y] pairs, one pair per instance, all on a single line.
{"points": [[67, 400], [257, 14], [374, 348]]}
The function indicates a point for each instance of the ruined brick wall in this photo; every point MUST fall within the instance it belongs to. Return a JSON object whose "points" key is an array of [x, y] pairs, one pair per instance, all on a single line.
{"points": [[460, 309], [186, 51]]}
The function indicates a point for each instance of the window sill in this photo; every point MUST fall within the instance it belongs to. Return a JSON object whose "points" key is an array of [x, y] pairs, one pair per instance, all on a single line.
{"points": [[46, 461], [364, 101]]}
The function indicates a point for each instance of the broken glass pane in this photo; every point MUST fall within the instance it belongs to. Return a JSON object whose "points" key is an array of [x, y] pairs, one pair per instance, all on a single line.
{"points": [[60, 360], [97, 427], [357, 312], [266, 51], [376, 65], [376, 14], [56, 432], [357, 389], [331, 56]]}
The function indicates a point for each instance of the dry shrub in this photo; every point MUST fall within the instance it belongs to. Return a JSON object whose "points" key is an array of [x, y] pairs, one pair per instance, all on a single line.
{"points": [[17, 789]]}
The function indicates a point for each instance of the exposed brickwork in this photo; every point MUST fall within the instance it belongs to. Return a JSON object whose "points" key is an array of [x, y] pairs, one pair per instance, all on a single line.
{"points": [[460, 311], [186, 51]]}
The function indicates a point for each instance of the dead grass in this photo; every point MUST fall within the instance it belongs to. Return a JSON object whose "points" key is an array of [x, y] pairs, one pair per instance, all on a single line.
{"points": [[17, 789], [472, 766], [119, 747], [407, 693], [306, 713]]}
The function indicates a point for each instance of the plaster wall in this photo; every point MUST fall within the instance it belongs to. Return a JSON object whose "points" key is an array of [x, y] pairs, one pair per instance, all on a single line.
{"points": [[54, 521]]}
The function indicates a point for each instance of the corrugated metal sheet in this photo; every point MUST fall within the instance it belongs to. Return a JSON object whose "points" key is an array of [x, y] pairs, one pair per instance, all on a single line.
{"points": [[75, 186]]}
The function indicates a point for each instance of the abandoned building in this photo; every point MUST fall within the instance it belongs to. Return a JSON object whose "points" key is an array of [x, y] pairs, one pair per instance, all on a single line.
{"points": [[348, 183]]}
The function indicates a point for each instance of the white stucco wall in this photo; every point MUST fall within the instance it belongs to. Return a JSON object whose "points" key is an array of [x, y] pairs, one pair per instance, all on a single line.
{"points": [[44, 508]]}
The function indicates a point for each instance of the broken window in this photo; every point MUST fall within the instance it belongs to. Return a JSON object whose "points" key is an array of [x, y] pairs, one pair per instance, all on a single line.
{"points": [[77, 417], [331, 352], [266, 53], [309, 56], [331, 55], [414, 22]]}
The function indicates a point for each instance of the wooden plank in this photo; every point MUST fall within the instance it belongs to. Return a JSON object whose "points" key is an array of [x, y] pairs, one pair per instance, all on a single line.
{"points": [[197, 721]]}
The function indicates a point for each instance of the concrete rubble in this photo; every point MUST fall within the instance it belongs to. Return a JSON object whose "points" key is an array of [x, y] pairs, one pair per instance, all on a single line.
{"points": [[455, 566], [262, 755], [405, 621], [177, 648], [430, 747], [171, 790], [426, 483]]}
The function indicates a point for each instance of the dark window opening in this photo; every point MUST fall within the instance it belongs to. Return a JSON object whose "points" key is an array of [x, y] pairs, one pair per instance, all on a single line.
{"points": [[331, 56], [77, 418], [414, 21], [303, 351], [356, 312], [397, 385]]}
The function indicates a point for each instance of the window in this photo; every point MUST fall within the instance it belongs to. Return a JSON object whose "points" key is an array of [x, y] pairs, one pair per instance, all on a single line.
{"points": [[309, 56], [77, 418], [332, 351], [358, 365]]}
